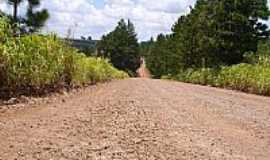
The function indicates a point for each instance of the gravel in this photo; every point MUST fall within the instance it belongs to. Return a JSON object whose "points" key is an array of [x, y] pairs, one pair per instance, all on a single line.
{"points": [[139, 119]]}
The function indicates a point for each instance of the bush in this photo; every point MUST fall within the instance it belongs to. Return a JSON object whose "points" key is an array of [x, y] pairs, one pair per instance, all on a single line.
{"points": [[204, 76], [34, 63], [246, 77], [252, 78], [92, 70], [5, 29]]}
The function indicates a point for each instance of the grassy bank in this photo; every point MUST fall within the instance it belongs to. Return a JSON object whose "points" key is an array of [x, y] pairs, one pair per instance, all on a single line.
{"points": [[36, 64], [251, 78]]}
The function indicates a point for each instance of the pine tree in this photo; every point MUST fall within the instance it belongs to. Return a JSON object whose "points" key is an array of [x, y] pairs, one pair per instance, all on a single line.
{"points": [[214, 33], [121, 47], [220, 31], [33, 21], [15, 4], [161, 59]]}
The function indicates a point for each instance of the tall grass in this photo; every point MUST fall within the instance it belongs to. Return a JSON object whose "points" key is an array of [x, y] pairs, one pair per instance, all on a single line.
{"points": [[36, 63], [251, 78], [246, 77]]}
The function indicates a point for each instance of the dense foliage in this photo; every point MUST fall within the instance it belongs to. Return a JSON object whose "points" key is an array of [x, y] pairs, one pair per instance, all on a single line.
{"points": [[121, 47], [36, 63], [252, 76], [160, 59], [217, 44]]}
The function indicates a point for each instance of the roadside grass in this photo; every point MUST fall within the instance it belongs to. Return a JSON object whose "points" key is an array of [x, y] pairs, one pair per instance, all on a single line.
{"points": [[36, 64], [251, 78]]}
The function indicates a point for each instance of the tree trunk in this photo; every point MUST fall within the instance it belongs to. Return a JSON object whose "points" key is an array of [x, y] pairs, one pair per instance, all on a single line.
{"points": [[15, 11]]}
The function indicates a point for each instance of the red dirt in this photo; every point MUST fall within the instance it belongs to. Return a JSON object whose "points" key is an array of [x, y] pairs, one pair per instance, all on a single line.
{"points": [[143, 72], [139, 119]]}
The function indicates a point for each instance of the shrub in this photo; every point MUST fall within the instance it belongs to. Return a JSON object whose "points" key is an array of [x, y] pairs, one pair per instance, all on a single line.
{"points": [[35, 63], [252, 78], [5, 29], [246, 77], [32, 61]]}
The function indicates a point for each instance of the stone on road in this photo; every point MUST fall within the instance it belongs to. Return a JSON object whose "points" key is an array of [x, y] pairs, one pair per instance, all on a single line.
{"points": [[140, 119]]}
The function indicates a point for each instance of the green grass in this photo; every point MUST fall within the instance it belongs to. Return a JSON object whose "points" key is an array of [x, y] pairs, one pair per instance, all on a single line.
{"points": [[37, 63], [251, 78]]}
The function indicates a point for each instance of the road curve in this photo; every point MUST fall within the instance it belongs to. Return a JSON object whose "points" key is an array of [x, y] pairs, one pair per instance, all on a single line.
{"points": [[139, 119]]}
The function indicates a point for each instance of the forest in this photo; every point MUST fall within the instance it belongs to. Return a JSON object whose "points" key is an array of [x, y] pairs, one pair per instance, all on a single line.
{"points": [[221, 43]]}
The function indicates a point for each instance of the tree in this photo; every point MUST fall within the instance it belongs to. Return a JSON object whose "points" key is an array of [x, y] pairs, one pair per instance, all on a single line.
{"points": [[161, 59], [34, 20], [220, 31], [89, 38], [214, 33], [145, 47], [83, 38], [121, 47], [15, 4]]}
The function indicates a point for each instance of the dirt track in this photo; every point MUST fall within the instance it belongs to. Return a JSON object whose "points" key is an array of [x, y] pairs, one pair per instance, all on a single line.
{"points": [[139, 119]]}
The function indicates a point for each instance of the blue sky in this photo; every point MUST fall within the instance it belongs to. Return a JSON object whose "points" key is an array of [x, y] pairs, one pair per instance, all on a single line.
{"points": [[99, 3], [97, 17]]}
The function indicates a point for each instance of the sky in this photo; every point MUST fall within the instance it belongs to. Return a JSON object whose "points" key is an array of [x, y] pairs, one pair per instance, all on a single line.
{"points": [[97, 17]]}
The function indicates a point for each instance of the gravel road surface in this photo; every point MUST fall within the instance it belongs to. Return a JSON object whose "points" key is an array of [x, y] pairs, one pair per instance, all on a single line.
{"points": [[139, 119]]}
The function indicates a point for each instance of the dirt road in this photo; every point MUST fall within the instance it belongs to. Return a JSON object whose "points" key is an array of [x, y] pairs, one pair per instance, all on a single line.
{"points": [[143, 72], [139, 119]]}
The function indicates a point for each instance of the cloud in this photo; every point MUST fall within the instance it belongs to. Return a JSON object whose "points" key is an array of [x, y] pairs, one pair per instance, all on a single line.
{"points": [[169, 6], [89, 17], [150, 17], [84, 18]]}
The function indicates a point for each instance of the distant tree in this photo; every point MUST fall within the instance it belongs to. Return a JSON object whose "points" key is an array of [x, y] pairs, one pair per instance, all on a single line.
{"points": [[83, 38], [89, 38], [161, 60], [145, 47], [121, 47]]}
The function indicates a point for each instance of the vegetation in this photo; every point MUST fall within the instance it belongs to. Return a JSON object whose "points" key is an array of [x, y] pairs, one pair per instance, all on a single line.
{"points": [[32, 21], [37, 64], [121, 47], [252, 76], [145, 47], [220, 43]]}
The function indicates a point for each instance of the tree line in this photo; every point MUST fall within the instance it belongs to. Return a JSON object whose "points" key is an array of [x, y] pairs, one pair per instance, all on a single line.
{"points": [[215, 33]]}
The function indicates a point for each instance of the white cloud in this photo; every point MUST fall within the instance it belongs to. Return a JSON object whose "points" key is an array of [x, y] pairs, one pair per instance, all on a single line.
{"points": [[170, 6], [150, 17]]}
